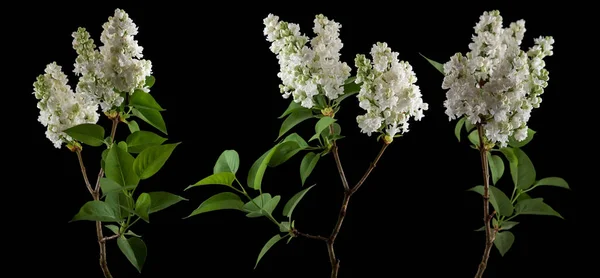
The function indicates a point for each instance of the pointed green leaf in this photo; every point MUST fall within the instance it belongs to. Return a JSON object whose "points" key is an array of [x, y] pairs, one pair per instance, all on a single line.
{"points": [[468, 125], [89, 134], [283, 152], [119, 167], [525, 170], [223, 178], [523, 196], [474, 137], [321, 125], [289, 207], [255, 208], [458, 127], [536, 207], [436, 65], [108, 186], [122, 145], [503, 242], [272, 204], [294, 137], [150, 81], [141, 140], [294, 119], [284, 227], [266, 248], [96, 211], [143, 100], [308, 165], [134, 249], [498, 199], [142, 206], [152, 117], [103, 161], [293, 107], [120, 203], [221, 201], [496, 167], [150, 160], [518, 144], [507, 225], [133, 126], [162, 200], [552, 181], [113, 228], [257, 171], [513, 163], [228, 161]]}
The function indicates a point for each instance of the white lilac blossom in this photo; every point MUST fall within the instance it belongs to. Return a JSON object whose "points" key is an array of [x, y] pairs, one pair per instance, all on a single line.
{"points": [[497, 84], [388, 93], [308, 71], [60, 107], [122, 55]]}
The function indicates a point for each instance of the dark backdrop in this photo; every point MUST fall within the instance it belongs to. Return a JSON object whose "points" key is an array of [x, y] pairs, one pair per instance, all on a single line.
{"points": [[218, 80]]}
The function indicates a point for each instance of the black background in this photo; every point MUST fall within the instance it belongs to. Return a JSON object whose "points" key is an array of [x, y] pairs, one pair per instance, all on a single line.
{"points": [[218, 81]]}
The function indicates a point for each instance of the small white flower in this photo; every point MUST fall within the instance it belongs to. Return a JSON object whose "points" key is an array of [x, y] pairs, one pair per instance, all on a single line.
{"points": [[61, 108], [497, 83], [308, 71], [388, 92]]}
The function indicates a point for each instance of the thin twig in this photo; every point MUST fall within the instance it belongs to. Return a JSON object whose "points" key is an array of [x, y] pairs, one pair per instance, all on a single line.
{"points": [[338, 162], [298, 233], [487, 217], [83, 172], [105, 239], [373, 165]]}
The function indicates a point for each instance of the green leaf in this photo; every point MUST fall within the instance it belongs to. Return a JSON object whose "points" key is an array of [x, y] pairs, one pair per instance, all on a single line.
{"points": [[507, 225], [321, 125], [141, 140], [266, 248], [131, 233], [468, 125], [150, 81], [122, 145], [289, 207], [223, 178], [284, 227], [142, 206], [134, 249], [255, 208], [143, 100], [96, 211], [498, 199], [257, 171], [294, 137], [308, 165], [120, 203], [350, 89], [436, 65], [474, 138], [228, 161], [518, 144], [513, 163], [321, 101], [114, 228], [496, 167], [523, 196], [293, 107], [272, 204], [552, 181], [108, 186], [503, 241], [152, 117], [119, 167], [294, 119], [283, 152], [162, 200], [89, 134], [103, 161], [536, 207], [221, 201], [525, 170], [458, 127], [150, 160], [133, 126]]}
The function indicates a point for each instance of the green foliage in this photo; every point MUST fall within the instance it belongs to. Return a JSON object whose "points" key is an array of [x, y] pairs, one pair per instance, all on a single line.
{"points": [[221, 201], [150, 81], [285, 150], [293, 107], [551, 181], [162, 200], [498, 199], [142, 206], [119, 167], [458, 128], [294, 119], [257, 171], [152, 117], [141, 140], [222, 178], [142, 100], [307, 165], [268, 245], [134, 249], [262, 205], [150, 160], [97, 211], [89, 134], [518, 144], [133, 126], [228, 161], [438, 66], [321, 125], [504, 240], [536, 207], [289, 207], [496, 167], [474, 138]]}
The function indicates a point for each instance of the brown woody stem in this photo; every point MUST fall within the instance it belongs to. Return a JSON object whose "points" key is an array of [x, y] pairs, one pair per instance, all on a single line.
{"points": [[487, 217]]}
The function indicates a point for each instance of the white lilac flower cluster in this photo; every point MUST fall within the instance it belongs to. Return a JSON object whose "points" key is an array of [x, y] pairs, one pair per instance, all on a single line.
{"points": [[388, 92], [104, 75], [307, 72], [496, 83]]}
